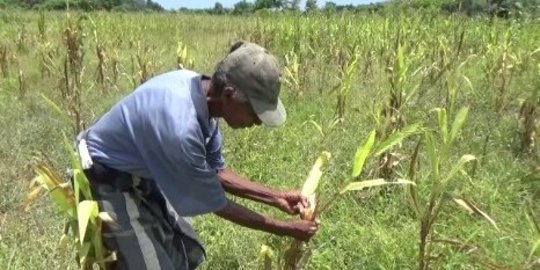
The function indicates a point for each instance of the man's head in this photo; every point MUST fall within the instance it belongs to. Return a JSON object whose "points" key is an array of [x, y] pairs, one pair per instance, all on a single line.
{"points": [[248, 82]]}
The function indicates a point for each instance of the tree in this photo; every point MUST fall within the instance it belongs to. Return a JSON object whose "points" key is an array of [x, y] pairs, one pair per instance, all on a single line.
{"points": [[243, 7], [294, 5], [218, 8], [330, 6], [276, 4], [311, 5], [154, 6]]}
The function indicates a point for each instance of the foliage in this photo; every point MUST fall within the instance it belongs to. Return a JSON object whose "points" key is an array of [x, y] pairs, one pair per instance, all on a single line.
{"points": [[87, 5], [75, 203]]}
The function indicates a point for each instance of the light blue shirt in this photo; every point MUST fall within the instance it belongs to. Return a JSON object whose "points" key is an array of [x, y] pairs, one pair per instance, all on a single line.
{"points": [[163, 131]]}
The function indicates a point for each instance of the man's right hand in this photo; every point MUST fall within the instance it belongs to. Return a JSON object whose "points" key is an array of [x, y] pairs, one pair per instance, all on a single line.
{"points": [[302, 230]]}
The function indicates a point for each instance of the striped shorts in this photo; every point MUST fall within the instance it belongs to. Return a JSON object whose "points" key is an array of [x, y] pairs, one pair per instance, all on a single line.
{"points": [[148, 234]]}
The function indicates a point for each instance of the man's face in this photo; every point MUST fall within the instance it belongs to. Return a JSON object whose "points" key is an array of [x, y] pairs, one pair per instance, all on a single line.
{"points": [[238, 114]]}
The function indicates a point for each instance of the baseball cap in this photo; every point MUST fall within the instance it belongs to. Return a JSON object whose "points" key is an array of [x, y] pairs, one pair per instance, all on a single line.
{"points": [[256, 73]]}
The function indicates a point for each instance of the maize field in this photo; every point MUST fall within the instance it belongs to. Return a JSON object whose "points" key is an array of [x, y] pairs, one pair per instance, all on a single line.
{"points": [[445, 106]]}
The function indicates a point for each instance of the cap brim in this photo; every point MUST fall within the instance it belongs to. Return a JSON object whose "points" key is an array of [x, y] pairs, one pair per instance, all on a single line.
{"points": [[271, 115]]}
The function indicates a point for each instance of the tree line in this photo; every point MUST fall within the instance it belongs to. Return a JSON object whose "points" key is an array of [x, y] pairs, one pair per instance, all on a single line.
{"points": [[87, 5], [501, 8]]}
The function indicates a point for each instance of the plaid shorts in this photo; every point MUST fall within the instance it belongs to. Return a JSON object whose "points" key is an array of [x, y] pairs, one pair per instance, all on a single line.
{"points": [[148, 234]]}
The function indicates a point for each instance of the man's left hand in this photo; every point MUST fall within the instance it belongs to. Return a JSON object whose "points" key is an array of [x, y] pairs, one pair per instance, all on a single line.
{"points": [[291, 202]]}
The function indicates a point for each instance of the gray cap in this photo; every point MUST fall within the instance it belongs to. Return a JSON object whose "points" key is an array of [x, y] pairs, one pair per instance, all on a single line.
{"points": [[256, 73]]}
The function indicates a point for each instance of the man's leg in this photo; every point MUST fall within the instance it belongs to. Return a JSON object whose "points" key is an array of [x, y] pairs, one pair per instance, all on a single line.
{"points": [[137, 234]]}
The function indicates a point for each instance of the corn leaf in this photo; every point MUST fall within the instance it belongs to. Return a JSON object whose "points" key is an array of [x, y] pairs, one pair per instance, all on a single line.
{"points": [[57, 109], [82, 183], [432, 154], [87, 212], [373, 183], [83, 254], [31, 197], [266, 251], [533, 250], [473, 209], [97, 243], [317, 126], [75, 160], [458, 123], [443, 124], [58, 191], [462, 161], [396, 138], [62, 243], [266, 255], [312, 181], [361, 154]]}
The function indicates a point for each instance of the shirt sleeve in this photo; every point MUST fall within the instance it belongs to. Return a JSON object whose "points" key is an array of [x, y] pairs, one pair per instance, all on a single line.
{"points": [[214, 157]]}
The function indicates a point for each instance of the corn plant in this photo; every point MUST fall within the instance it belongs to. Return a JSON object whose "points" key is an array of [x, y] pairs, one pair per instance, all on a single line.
{"points": [[298, 253], [292, 67], [183, 61], [348, 62], [75, 203], [142, 64], [42, 27], [528, 118], [45, 48], [438, 159], [101, 54], [71, 89], [4, 60], [266, 255], [22, 39], [22, 84]]}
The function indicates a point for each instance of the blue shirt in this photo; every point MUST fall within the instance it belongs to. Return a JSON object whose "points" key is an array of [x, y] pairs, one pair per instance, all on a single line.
{"points": [[163, 131]]}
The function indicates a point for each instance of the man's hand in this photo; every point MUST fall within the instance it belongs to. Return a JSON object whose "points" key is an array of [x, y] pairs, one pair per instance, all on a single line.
{"points": [[291, 202], [300, 229], [303, 230]]}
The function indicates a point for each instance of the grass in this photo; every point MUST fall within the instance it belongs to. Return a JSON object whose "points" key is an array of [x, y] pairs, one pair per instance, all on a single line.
{"points": [[375, 229]]}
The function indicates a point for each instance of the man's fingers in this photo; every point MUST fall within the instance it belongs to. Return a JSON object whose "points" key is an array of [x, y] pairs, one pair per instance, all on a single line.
{"points": [[304, 201], [299, 209]]}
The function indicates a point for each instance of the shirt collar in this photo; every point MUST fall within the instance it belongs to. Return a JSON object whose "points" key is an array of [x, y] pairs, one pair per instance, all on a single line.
{"points": [[201, 106]]}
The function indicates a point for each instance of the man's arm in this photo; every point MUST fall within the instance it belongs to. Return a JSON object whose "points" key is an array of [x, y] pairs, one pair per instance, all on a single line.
{"points": [[290, 202], [300, 229], [238, 186]]}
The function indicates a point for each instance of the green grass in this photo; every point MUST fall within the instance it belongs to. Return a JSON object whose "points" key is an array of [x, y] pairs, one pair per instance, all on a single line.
{"points": [[363, 230]]}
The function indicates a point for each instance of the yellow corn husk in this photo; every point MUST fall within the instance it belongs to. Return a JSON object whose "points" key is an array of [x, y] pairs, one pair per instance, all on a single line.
{"points": [[312, 181], [297, 249]]}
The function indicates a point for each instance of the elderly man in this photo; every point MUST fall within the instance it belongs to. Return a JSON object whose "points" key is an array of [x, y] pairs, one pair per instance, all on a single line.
{"points": [[155, 158]]}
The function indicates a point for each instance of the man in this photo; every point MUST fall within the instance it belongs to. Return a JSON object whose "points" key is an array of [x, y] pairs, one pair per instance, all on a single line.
{"points": [[156, 157]]}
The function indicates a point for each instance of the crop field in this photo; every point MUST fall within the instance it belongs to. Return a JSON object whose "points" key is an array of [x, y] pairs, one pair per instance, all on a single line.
{"points": [[459, 96]]}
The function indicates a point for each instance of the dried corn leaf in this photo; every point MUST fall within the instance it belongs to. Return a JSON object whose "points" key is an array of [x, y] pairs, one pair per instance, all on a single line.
{"points": [[373, 183], [473, 209], [31, 197]]}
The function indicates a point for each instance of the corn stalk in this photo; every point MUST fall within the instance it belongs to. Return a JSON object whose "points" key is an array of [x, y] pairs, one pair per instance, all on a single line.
{"points": [[4, 60], [71, 89], [183, 61], [75, 203], [438, 158]]}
